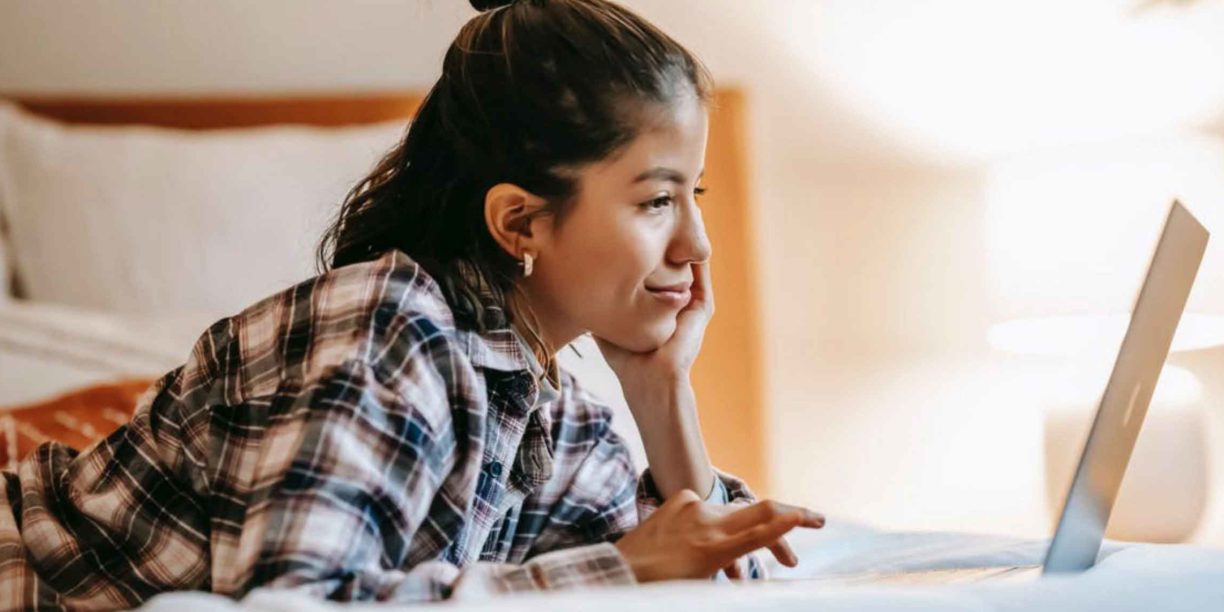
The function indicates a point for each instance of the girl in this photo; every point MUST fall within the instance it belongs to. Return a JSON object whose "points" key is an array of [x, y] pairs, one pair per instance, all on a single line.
{"points": [[396, 428]]}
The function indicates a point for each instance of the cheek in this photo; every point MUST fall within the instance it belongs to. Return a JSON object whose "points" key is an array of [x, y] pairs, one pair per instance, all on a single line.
{"points": [[597, 279], [610, 259]]}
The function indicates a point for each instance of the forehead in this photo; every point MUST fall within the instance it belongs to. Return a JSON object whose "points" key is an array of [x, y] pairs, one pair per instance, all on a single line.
{"points": [[674, 137]]}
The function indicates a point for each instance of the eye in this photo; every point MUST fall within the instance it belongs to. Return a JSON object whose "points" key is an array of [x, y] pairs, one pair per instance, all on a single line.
{"points": [[658, 203], [664, 201]]}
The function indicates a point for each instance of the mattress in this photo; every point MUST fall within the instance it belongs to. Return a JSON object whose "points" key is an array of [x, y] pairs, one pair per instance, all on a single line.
{"points": [[1127, 577]]}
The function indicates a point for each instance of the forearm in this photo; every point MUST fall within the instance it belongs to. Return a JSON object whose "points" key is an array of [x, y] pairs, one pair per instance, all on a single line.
{"points": [[584, 566], [666, 416]]}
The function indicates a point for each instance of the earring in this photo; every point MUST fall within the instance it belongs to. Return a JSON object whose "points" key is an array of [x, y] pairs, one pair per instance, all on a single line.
{"points": [[528, 264]]}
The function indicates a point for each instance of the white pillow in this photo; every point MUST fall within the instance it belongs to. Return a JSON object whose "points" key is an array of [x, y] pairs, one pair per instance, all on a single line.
{"points": [[138, 219]]}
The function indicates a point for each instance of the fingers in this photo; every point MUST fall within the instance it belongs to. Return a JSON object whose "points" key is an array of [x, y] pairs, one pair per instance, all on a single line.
{"points": [[733, 570], [783, 552], [752, 527], [702, 291], [759, 536], [692, 320], [765, 510], [703, 285]]}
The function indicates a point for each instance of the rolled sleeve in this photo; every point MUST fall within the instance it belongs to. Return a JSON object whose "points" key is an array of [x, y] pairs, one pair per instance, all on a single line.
{"points": [[585, 566], [727, 489]]}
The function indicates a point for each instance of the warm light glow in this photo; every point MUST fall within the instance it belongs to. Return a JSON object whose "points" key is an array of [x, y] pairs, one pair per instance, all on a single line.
{"points": [[1071, 231], [964, 79], [1086, 347], [1095, 336]]}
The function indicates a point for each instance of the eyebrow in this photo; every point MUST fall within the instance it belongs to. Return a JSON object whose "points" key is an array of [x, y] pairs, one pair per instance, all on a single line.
{"points": [[667, 174]]}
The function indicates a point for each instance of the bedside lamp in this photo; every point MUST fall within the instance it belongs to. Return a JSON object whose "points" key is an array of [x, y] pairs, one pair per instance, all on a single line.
{"points": [[1069, 233], [1165, 490]]}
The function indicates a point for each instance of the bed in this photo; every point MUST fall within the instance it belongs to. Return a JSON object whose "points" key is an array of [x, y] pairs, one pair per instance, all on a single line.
{"points": [[96, 291]]}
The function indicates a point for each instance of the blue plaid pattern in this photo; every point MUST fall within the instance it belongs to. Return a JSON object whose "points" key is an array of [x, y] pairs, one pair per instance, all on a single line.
{"points": [[344, 438]]}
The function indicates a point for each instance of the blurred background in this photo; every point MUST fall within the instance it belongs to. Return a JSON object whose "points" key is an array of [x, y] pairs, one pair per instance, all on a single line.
{"points": [[950, 204]]}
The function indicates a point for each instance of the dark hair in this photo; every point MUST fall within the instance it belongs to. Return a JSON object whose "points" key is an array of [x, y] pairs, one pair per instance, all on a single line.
{"points": [[530, 90]]}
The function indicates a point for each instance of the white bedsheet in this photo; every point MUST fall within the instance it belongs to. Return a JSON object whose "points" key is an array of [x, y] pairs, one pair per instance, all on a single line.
{"points": [[46, 349], [1128, 577]]}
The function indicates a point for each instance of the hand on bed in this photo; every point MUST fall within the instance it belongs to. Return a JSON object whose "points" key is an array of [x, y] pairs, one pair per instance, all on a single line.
{"points": [[687, 538]]}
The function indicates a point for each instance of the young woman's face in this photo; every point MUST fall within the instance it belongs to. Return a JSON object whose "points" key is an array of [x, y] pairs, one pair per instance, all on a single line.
{"points": [[632, 235]]}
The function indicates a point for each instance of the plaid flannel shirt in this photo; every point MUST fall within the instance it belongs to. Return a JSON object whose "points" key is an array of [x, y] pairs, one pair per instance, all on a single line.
{"points": [[341, 437]]}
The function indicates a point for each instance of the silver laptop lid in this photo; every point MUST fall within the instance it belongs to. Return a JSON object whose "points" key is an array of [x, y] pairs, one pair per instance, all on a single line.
{"points": [[1077, 540]]}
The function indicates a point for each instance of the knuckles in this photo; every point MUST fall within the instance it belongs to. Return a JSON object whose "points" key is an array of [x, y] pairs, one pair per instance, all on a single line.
{"points": [[772, 508]]}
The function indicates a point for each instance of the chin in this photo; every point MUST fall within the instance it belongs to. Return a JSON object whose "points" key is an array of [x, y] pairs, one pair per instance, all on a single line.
{"points": [[642, 337], [650, 337]]}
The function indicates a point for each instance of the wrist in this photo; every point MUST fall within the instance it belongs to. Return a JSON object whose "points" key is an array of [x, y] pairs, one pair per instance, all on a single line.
{"points": [[713, 488], [659, 392], [675, 451], [642, 571]]}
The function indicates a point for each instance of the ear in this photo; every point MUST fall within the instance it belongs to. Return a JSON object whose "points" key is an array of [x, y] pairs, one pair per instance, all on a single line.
{"points": [[512, 215]]}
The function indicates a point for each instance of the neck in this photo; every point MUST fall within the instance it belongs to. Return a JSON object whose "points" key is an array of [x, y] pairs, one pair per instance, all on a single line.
{"points": [[552, 341], [552, 328]]}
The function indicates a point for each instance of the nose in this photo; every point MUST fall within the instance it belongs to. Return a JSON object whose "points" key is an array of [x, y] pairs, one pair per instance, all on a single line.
{"points": [[691, 244]]}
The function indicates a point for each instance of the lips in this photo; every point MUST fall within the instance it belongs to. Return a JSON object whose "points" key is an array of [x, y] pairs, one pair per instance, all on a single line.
{"points": [[676, 288], [674, 296]]}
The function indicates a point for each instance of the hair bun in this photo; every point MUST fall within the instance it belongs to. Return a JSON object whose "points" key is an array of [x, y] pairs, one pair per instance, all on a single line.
{"points": [[488, 5]]}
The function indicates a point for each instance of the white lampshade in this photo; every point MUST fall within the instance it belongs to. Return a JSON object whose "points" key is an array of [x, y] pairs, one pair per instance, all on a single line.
{"points": [[1095, 337], [1069, 236], [1071, 231], [1164, 493]]}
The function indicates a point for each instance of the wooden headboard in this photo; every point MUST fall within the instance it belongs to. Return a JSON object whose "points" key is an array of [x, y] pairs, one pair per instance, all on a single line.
{"points": [[229, 112], [727, 377]]}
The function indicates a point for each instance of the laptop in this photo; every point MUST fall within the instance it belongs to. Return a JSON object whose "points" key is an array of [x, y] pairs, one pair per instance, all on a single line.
{"points": [[1090, 500]]}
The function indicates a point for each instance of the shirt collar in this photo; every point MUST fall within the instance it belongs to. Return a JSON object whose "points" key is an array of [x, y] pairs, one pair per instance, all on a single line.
{"points": [[548, 381], [497, 349], [500, 348], [505, 350]]}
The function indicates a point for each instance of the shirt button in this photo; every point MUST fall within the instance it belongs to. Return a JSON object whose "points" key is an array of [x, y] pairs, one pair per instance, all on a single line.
{"points": [[523, 384], [496, 469]]}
